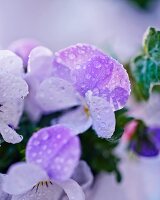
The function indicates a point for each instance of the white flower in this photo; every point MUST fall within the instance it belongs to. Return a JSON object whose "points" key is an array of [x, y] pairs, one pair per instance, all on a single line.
{"points": [[13, 89]]}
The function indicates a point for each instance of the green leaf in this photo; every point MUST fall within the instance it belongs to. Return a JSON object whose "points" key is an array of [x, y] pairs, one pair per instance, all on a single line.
{"points": [[146, 66]]}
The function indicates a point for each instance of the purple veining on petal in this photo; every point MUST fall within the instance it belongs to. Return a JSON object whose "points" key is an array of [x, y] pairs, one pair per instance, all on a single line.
{"points": [[93, 75], [56, 150], [75, 55], [23, 48]]}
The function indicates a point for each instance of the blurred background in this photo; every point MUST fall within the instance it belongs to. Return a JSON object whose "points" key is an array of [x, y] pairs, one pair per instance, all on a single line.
{"points": [[116, 26]]}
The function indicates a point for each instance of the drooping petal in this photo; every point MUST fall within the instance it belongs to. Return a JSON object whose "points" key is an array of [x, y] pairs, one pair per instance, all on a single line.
{"points": [[23, 48], [40, 62], [72, 190], [154, 135], [105, 77], [102, 115], [56, 149], [10, 62], [76, 55], [9, 134], [77, 119], [12, 87], [83, 175], [56, 94], [22, 177], [46, 190]]}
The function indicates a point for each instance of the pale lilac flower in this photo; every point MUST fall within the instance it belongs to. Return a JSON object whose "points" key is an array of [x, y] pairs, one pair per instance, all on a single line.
{"points": [[12, 89], [52, 155], [84, 76], [23, 47]]}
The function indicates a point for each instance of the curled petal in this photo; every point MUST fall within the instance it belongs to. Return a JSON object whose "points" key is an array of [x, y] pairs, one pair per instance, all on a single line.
{"points": [[23, 48], [22, 177], [77, 119], [56, 94], [102, 115], [83, 175], [72, 190], [105, 77], [12, 87], [10, 62], [75, 55], [56, 149], [40, 62], [9, 134]]}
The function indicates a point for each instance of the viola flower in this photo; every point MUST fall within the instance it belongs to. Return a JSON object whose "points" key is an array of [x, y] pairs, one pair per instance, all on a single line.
{"points": [[84, 76], [23, 48], [52, 155], [13, 89], [148, 144]]}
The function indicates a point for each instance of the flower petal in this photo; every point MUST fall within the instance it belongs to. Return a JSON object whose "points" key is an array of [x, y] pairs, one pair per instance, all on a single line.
{"points": [[75, 55], [83, 175], [40, 62], [42, 191], [56, 94], [102, 115], [9, 134], [22, 177], [23, 48], [105, 77], [10, 62], [72, 189], [12, 87], [56, 150], [77, 119]]}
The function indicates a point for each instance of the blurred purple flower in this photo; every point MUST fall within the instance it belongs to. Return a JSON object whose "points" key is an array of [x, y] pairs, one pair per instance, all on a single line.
{"points": [[52, 155], [13, 89], [83, 76], [148, 144], [23, 47]]}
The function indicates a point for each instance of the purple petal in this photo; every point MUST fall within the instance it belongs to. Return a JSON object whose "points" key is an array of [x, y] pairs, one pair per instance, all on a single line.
{"points": [[144, 148], [106, 78], [23, 48], [154, 135], [76, 55], [55, 94], [77, 119], [40, 63], [102, 115], [55, 149], [22, 177]]}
